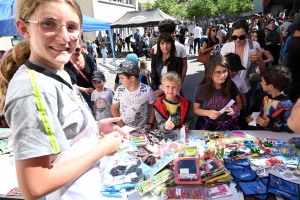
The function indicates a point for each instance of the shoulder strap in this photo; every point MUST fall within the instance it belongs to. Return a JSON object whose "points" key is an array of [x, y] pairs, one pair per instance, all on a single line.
{"points": [[251, 44], [80, 72], [42, 111], [46, 72]]}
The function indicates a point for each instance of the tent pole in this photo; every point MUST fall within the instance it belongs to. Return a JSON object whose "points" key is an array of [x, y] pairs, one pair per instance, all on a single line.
{"points": [[112, 47]]}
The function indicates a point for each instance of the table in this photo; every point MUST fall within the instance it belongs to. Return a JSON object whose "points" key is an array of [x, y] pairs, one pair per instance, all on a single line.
{"points": [[283, 136]]}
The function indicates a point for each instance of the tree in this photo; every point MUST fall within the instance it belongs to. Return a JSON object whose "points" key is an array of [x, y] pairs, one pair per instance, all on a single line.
{"points": [[201, 8], [171, 7], [234, 6]]}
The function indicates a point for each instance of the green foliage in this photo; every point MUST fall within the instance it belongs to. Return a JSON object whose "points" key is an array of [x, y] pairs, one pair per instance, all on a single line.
{"points": [[201, 8], [234, 6], [171, 7]]}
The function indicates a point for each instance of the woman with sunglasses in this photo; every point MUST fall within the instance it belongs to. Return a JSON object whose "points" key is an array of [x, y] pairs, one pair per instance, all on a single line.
{"points": [[213, 94], [82, 66], [210, 41], [55, 138], [244, 48]]}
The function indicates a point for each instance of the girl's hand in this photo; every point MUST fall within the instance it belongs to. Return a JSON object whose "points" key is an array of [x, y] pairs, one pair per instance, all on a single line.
{"points": [[230, 111], [263, 122], [106, 126], [249, 119], [213, 114], [111, 142]]}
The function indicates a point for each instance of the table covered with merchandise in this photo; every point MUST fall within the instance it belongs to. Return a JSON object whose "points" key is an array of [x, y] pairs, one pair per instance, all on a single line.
{"points": [[201, 165]]}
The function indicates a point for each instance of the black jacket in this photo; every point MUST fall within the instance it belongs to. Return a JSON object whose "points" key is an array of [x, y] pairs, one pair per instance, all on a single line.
{"points": [[157, 65]]}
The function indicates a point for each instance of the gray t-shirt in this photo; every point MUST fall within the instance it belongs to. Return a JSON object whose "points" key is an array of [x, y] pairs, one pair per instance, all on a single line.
{"points": [[103, 102], [30, 139], [217, 101]]}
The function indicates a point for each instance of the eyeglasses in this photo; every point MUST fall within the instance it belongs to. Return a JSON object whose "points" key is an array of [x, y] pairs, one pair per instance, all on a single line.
{"points": [[78, 49], [213, 30], [241, 37], [219, 73], [51, 27]]}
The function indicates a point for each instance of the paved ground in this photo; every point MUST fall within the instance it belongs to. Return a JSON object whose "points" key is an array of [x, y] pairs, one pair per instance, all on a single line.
{"points": [[194, 74]]}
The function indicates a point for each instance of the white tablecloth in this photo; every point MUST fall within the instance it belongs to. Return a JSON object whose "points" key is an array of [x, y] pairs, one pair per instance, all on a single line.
{"points": [[284, 137]]}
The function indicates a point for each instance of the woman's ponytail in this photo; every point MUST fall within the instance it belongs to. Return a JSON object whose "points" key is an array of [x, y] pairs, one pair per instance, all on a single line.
{"points": [[9, 65]]}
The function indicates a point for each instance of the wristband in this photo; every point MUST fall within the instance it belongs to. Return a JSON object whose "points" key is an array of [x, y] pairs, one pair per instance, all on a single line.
{"points": [[150, 124]]}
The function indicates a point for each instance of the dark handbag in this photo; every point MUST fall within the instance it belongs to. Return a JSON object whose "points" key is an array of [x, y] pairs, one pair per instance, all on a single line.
{"points": [[202, 57]]}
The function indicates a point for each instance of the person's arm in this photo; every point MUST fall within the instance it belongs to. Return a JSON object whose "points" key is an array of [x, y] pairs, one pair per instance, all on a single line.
{"points": [[189, 117], [292, 121], [212, 114], [154, 78], [95, 110], [161, 121], [206, 49], [85, 90], [184, 68], [115, 113], [268, 55], [37, 177], [243, 98], [238, 102], [152, 117]]}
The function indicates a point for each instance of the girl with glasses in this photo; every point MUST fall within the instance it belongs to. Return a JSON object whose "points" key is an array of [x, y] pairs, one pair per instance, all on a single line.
{"points": [[210, 41], [55, 138], [213, 94], [244, 48]]}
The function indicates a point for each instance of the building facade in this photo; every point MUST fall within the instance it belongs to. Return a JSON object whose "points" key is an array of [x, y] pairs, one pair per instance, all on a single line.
{"points": [[107, 10]]}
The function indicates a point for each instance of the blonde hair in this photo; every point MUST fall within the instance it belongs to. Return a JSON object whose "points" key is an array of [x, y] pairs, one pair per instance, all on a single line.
{"points": [[20, 52], [143, 65], [171, 76]]}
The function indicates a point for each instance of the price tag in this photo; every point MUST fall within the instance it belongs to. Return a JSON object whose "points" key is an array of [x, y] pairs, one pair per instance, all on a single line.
{"points": [[178, 191]]}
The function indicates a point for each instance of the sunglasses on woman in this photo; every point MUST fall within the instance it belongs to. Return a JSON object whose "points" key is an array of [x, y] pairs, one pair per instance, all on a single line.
{"points": [[241, 37], [77, 49]]}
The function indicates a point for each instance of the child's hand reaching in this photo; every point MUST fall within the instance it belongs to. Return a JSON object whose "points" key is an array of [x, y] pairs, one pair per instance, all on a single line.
{"points": [[186, 127], [169, 124], [230, 111], [213, 114], [249, 119], [263, 122]]}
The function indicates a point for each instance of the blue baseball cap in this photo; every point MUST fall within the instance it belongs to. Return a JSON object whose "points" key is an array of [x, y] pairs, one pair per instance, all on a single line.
{"points": [[132, 57]]}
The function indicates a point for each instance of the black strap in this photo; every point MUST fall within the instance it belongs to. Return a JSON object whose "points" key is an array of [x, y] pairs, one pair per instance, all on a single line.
{"points": [[46, 72]]}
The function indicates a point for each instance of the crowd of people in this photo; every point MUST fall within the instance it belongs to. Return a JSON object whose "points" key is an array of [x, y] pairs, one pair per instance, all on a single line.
{"points": [[55, 101]]}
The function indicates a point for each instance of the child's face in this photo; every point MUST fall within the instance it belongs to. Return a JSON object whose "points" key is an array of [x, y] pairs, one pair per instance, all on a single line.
{"points": [[170, 88], [165, 46], [124, 80], [219, 75], [99, 84], [233, 74], [264, 85]]}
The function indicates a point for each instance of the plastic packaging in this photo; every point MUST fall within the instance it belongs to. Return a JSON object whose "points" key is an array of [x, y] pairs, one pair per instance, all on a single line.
{"points": [[187, 171], [200, 193], [119, 170], [160, 164], [154, 181]]}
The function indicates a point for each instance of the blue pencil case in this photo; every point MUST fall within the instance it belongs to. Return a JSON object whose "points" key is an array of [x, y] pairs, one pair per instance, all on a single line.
{"points": [[282, 187]]}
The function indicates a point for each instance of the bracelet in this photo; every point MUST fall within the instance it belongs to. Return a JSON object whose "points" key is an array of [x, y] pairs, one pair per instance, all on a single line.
{"points": [[150, 124]]}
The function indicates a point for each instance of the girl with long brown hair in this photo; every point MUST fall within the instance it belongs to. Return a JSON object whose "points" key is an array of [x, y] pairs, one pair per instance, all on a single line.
{"points": [[213, 94]]}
